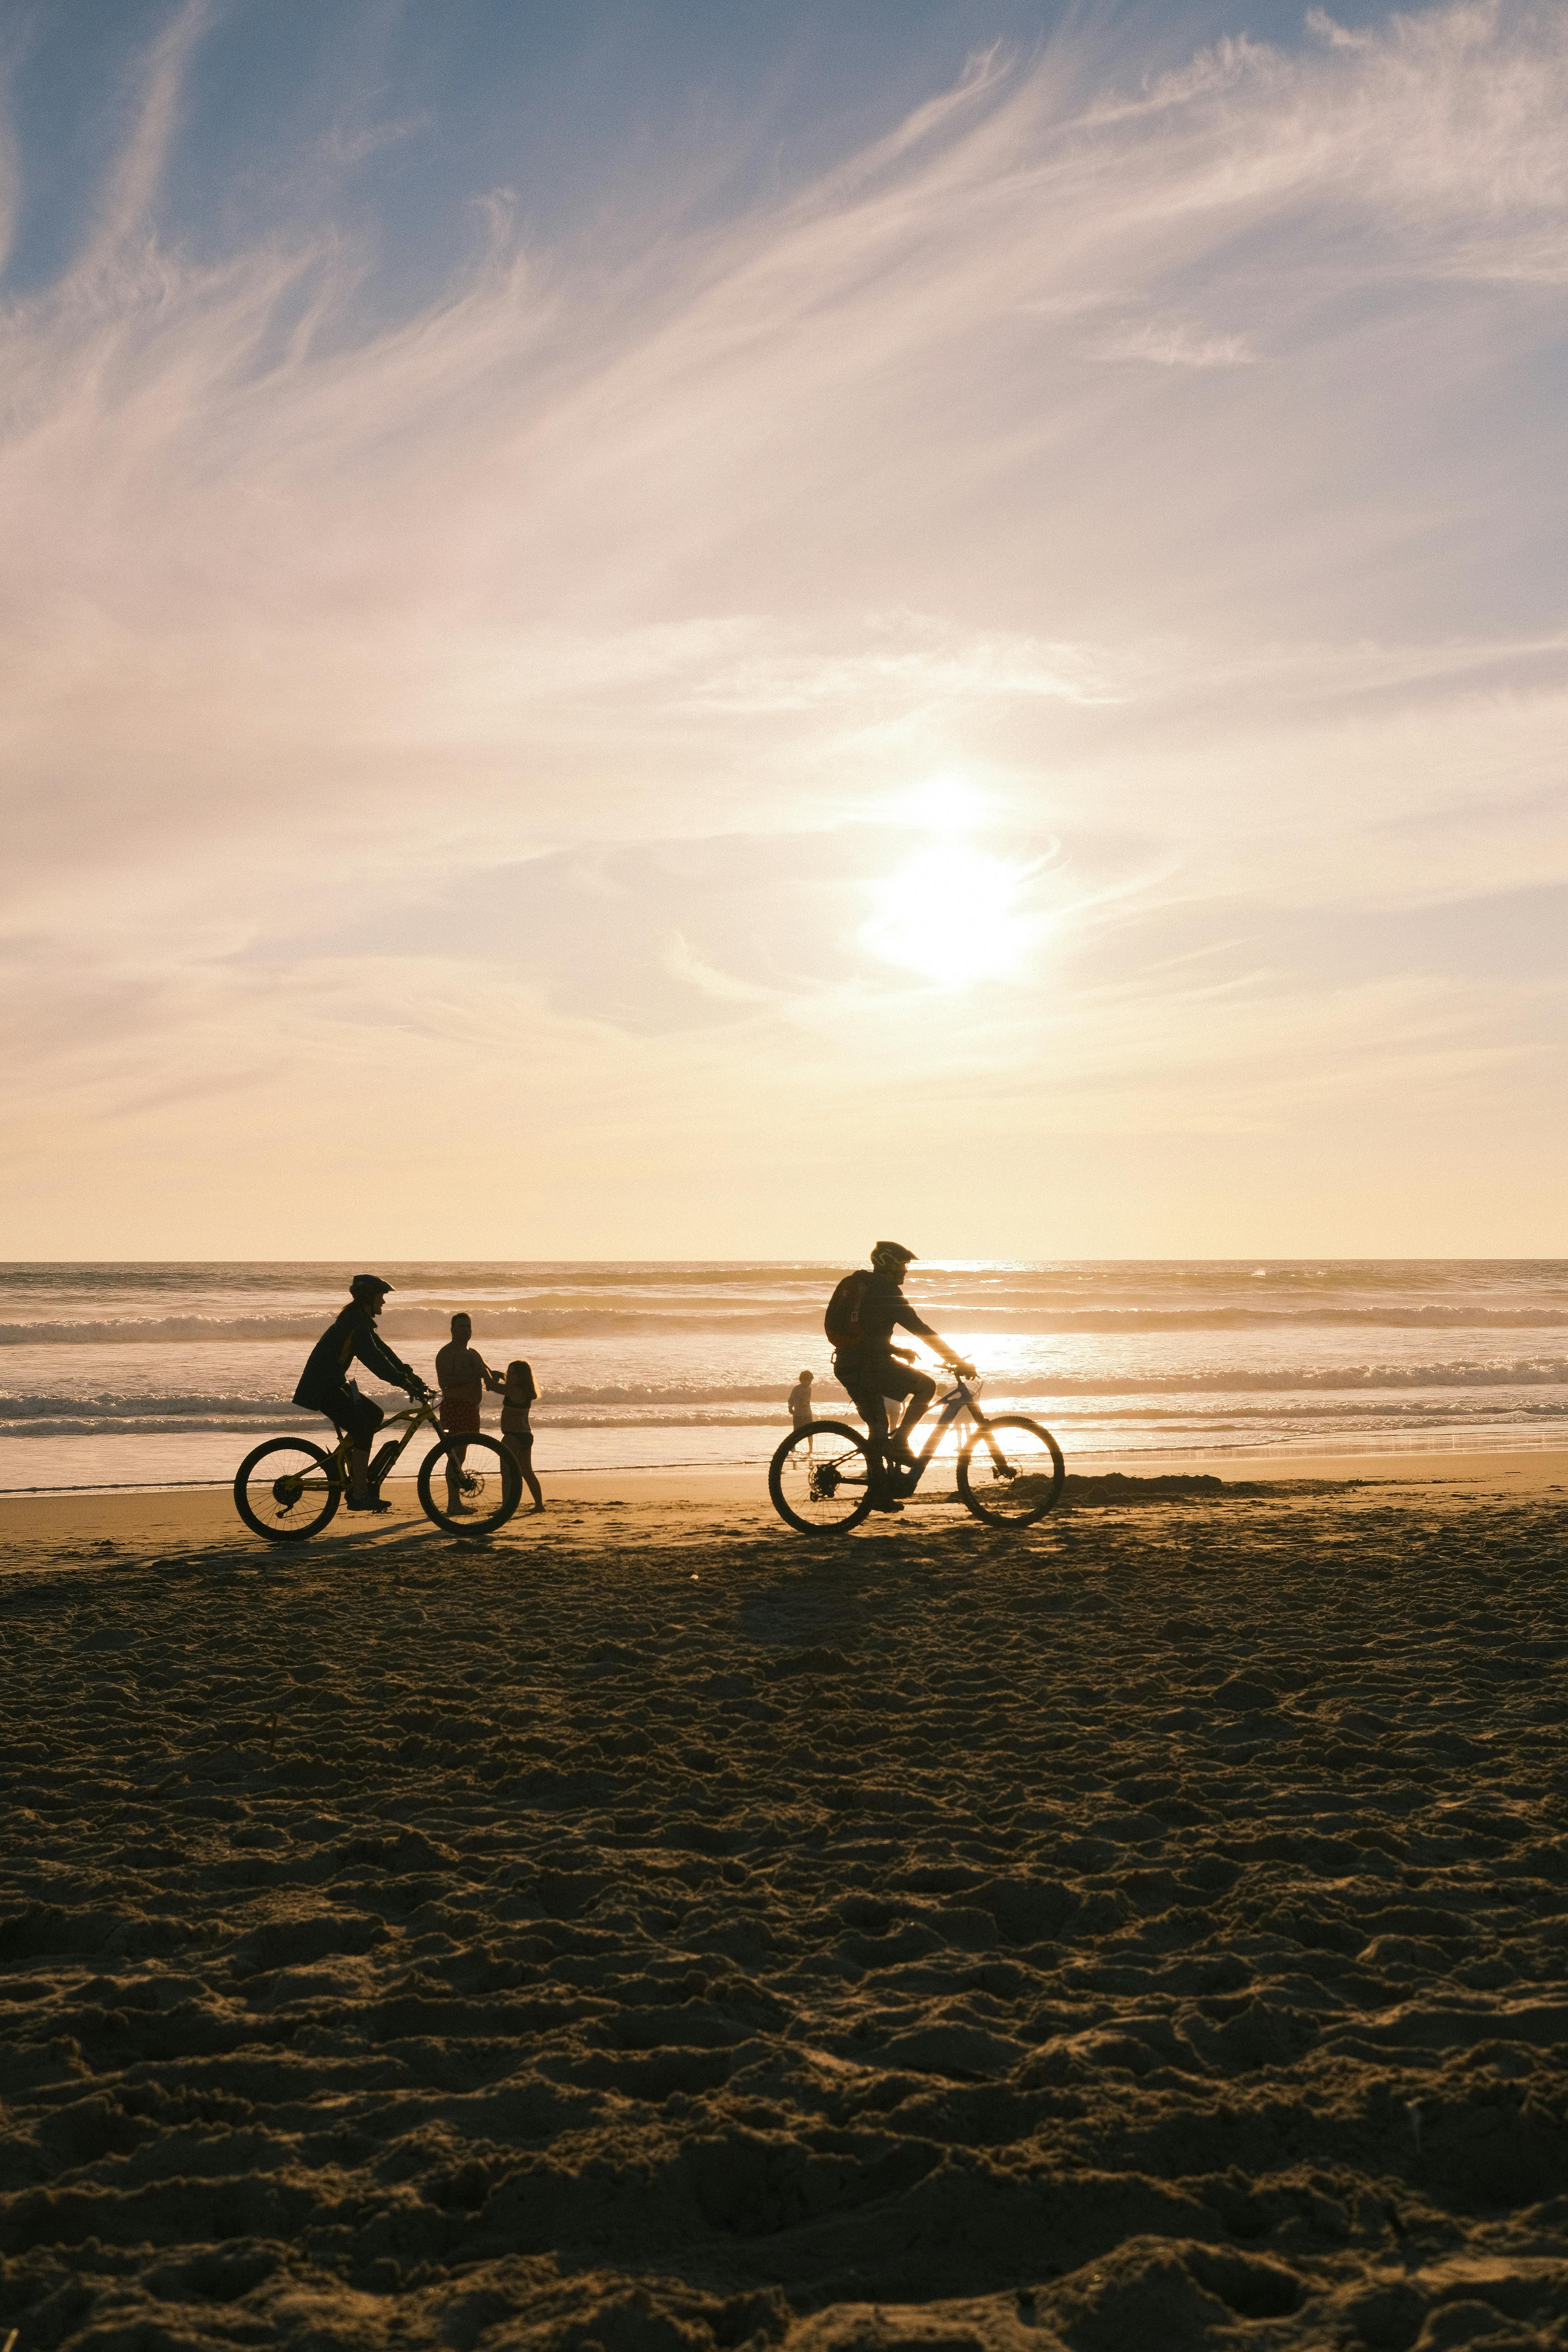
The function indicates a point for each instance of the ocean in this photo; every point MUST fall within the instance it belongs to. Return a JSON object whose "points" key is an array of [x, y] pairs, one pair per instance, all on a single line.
{"points": [[148, 1375]]}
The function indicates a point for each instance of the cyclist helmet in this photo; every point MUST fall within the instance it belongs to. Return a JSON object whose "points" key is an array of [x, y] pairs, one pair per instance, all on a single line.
{"points": [[890, 1257], [368, 1290]]}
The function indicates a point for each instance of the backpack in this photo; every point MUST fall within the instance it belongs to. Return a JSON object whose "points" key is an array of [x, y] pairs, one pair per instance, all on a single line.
{"points": [[842, 1320]]}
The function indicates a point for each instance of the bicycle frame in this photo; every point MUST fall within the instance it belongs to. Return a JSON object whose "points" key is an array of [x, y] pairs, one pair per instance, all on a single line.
{"points": [[414, 1414], [960, 1402]]}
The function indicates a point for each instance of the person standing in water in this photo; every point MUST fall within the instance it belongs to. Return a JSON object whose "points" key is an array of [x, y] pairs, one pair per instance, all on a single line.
{"points": [[801, 1408], [516, 1399], [464, 1376]]}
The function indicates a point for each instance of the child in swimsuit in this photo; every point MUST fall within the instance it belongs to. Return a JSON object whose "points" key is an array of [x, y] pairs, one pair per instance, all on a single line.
{"points": [[516, 1398]]}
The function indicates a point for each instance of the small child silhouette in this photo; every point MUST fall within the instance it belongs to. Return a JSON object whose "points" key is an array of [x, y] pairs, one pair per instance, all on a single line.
{"points": [[516, 1398], [800, 1405]]}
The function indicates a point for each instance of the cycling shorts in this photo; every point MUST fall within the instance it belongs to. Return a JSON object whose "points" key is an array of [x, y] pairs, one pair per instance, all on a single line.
{"points": [[872, 1376], [358, 1415]]}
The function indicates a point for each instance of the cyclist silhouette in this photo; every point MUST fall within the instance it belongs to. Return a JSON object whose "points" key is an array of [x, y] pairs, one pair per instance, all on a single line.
{"points": [[866, 1363], [325, 1386]]}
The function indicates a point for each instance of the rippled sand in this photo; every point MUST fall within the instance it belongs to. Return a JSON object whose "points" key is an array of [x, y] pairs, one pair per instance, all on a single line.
{"points": [[652, 1931]]}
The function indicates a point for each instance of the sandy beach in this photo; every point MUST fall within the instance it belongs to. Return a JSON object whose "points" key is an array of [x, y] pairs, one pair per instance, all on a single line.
{"points": [[651, 1928], [723, 719]]}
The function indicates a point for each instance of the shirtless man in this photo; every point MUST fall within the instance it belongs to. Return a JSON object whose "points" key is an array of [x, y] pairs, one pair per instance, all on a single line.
{"points": [[464, 1376]]}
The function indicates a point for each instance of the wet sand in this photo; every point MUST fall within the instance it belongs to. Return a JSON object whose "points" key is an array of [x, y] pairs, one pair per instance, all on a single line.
{"points": [[156, 1516], [651, 1928]]}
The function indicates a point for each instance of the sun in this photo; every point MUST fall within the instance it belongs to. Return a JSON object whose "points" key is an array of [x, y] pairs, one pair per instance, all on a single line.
{"points": [[952, 914], [946, 803]]}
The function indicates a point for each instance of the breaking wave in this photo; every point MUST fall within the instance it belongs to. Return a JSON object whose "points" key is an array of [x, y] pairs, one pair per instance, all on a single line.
{"points": [[544, 1324], [632, 1405]]}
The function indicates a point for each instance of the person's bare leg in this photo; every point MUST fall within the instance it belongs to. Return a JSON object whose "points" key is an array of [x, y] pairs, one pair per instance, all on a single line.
{"points": [[912, 1412], [359, 1472], [874, 1414], [455, 1458], [524, 1457], [884, 1463]]}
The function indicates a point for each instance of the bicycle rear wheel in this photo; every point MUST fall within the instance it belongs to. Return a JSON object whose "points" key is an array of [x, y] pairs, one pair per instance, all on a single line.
{"points": [[469, 1486], [1011, 1472], [821, 1480], [286, 1490]]}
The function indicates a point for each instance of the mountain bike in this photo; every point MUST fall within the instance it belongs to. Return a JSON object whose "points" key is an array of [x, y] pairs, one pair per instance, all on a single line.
{"points": [[289, 1489], [825, 1476]]}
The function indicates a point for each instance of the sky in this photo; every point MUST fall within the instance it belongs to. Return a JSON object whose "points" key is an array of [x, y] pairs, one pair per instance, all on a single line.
{"points": [[697, 630]]}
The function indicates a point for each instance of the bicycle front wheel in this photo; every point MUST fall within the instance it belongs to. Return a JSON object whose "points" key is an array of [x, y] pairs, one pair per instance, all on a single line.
{"points": [[469, 1486], [286, 1490], [821, 1480], [1011, 1472]]}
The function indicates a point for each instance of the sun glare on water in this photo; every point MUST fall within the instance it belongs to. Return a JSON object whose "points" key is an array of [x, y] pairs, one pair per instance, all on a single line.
{"points": [[952, 912]]}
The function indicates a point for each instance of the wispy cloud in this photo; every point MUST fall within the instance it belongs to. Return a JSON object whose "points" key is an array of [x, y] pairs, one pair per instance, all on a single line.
{"points": [[731, 533], [346, 146], [131, 183], [1173, 342]]}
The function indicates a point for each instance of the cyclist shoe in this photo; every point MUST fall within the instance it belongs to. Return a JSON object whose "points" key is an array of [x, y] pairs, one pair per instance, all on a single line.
{"points": [[888, 1503], [365, 1503]]}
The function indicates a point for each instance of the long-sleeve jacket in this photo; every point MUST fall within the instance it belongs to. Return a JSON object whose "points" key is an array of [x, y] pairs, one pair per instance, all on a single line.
{"points": [[883, 1309], [352, 1339]]}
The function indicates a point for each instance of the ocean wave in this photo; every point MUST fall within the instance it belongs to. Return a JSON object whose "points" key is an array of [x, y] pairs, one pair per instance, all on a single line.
{"points": [[1240, 1381], [1532, 1372], [1520, 1389], [1190, 1426], [121, 1431], [197, 1404], [545, 1324], [1283, 1381]]}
